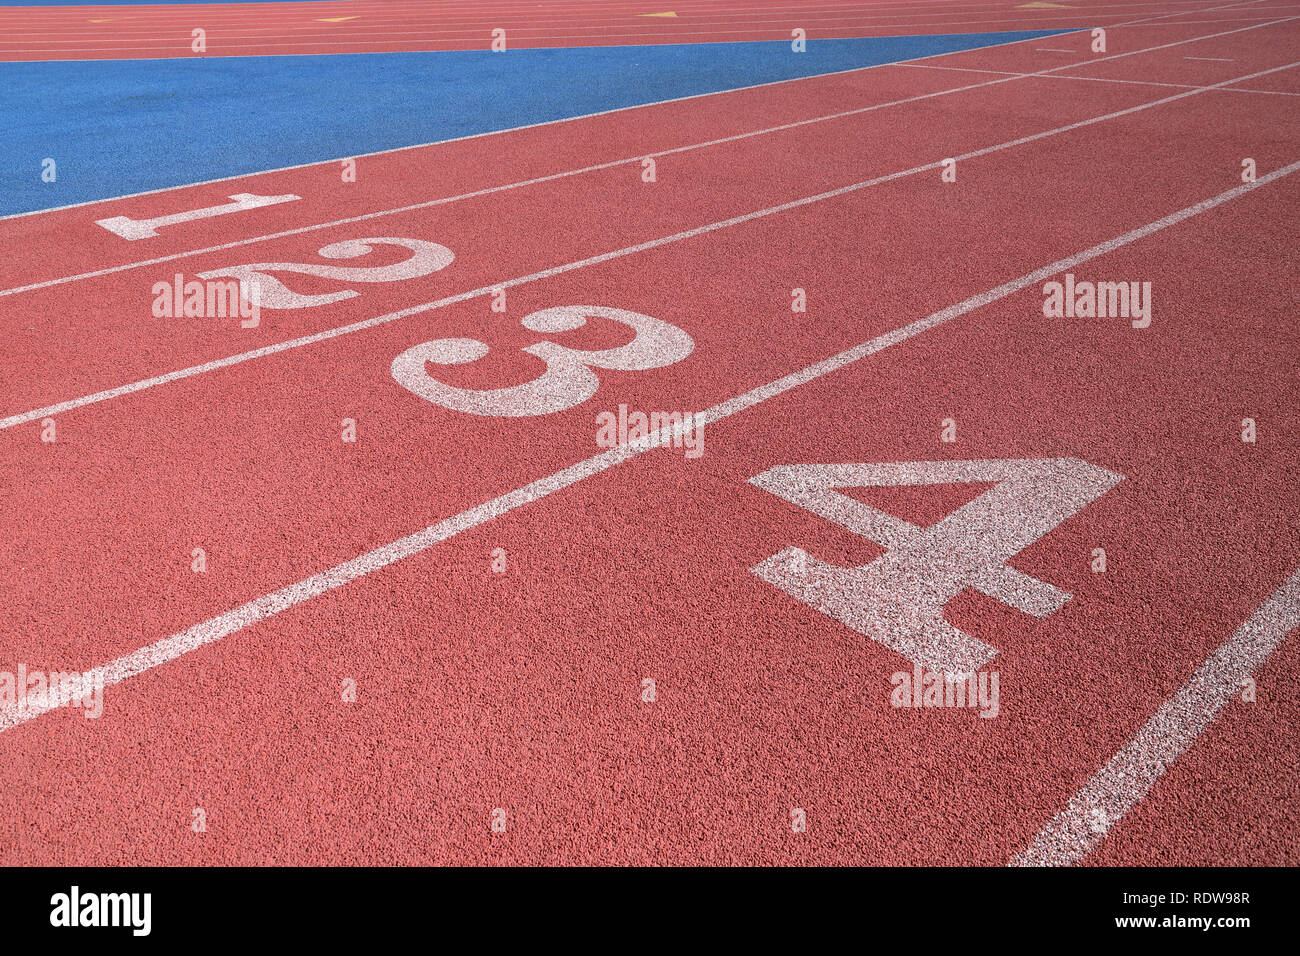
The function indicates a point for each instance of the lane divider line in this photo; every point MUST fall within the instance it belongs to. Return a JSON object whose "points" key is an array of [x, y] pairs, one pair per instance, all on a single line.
{"points": [[1090, 79], [1131, 773]]}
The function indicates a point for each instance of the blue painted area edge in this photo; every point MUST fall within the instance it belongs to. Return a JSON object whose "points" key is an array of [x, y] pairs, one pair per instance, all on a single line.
{"points": [[117, 127]]}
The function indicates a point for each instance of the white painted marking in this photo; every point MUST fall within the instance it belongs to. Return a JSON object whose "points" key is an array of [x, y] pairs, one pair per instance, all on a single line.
{"points": [[1212, 59], [568, 378], [133, 229], [898, 598], [1090, 79], [214, 629], [425, 259], [306, 340], [1129, 775]]}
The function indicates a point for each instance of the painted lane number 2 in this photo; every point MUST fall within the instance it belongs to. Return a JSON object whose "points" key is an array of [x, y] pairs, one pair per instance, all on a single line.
{"points": [[270, 293]]}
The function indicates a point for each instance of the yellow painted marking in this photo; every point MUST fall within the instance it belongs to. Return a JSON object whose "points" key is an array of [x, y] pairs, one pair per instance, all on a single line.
{"points": [[668, 14], [334, 19], [1044, 6]]}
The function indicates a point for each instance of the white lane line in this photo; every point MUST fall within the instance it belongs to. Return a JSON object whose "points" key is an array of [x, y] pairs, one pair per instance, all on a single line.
{"points": [[1090, 79], [1129, 775], [302, 341], [1006, 77], [621, 109], [1212, 59], [223, 625], [1050, 49]]}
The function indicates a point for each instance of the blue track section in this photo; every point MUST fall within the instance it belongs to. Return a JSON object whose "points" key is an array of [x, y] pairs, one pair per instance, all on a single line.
{"points": [[115, 127]]}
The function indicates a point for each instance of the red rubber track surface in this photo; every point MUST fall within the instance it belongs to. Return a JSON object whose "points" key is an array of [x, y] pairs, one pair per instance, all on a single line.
{"points": [[522, 691], [369, 26]]}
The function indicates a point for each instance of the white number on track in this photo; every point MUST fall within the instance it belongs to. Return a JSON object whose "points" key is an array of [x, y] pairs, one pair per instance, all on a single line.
{"points": [[898, 598], [133, 229], [426, 257], [568, 379]]}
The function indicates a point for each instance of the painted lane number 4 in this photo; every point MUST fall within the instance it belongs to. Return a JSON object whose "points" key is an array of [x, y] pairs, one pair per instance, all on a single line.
{"points": [[898, 598]]}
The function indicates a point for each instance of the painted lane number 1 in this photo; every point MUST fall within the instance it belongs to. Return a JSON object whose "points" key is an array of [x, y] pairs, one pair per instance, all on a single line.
{"points": [[133, 229]]}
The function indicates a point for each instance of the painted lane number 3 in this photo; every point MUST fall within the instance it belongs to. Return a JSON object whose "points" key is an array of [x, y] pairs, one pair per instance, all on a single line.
{"points": [[569, 378]]}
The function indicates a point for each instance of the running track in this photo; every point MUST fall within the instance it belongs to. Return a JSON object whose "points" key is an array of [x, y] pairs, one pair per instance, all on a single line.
{"points": [[359, 26], [1122, 737]]}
